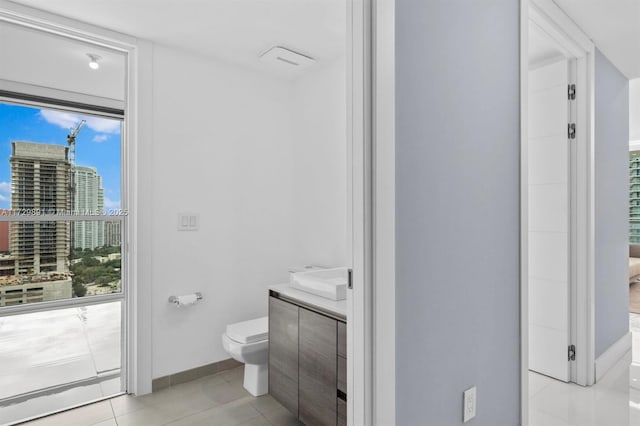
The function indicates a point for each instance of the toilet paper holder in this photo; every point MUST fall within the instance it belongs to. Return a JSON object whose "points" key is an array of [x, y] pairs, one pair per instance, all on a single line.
{"points": [[176, 301]]}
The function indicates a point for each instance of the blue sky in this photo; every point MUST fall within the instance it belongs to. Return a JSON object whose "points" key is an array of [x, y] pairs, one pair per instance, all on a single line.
{"points": [[97, 145]]}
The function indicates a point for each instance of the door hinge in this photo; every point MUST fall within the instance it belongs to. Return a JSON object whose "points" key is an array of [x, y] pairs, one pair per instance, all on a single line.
{"points": [[350, 279], [572, 352], [571, 131], [572, 92]]}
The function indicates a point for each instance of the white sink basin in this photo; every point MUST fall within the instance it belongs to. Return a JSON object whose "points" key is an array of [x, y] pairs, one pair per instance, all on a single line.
{"points": [[328, 283]]}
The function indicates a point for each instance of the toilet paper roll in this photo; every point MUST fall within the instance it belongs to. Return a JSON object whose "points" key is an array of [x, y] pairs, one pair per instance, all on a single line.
{"points": [[187, 299]]}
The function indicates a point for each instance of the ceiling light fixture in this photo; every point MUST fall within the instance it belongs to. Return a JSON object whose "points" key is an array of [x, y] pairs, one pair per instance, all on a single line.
{"points": [[93, 64]]}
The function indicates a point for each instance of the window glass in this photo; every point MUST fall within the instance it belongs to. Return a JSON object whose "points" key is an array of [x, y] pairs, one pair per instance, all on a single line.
{"points": [[634, 197], [61, 164]]}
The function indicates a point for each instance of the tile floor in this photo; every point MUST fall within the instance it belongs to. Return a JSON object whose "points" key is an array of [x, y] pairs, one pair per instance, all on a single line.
{"points": [[221, 400], [214, 400], [613, 401]]}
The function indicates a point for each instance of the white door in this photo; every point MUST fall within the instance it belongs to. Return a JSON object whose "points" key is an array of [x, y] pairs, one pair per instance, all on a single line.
{"points": [[549, 220]]}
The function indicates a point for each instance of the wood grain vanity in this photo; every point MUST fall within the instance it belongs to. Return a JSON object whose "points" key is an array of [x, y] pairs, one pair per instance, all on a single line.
{"points": [[308, 359]]}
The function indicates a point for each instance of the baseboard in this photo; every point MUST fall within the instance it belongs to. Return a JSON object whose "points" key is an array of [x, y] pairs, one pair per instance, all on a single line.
{"points": [[612, 355], [193, 374]]}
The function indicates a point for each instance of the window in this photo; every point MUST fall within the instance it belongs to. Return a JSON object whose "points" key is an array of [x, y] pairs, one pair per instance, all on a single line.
{"points": [[63, 165], [634, 197]]}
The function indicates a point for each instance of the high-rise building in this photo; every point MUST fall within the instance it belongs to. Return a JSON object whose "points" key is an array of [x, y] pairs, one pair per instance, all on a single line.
{"points": [[39, 184], [88, 199], [112, 234], [634, 197]]}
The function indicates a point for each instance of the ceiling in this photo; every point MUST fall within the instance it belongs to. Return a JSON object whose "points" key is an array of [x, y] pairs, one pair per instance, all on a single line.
{"points": [[239, 31], [236, 31], [62, 57], [614, 26]]}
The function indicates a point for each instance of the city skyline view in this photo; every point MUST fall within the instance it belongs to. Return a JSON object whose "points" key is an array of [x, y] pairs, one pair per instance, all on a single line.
{"points": [[53, 260], [97, 144]]}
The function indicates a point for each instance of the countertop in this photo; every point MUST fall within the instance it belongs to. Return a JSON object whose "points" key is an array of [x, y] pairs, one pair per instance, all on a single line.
{"points": [[337, 307]]}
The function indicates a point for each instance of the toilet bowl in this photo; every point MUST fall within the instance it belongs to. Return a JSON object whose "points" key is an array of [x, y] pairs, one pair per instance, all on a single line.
{"points": [[248, 342]]}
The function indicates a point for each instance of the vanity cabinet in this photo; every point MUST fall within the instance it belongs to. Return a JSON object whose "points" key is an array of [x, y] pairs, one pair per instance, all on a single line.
{"points": [[318, 370], [307, 362], [283, 353]]}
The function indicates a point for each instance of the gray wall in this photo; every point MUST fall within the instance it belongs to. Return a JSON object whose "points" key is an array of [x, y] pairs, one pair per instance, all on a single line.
{"points": [[458, 210], [612, 200]]}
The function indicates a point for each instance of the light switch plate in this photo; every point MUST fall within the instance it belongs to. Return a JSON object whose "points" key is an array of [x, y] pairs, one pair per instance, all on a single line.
{"points": [[188, 221], [469, 404]]}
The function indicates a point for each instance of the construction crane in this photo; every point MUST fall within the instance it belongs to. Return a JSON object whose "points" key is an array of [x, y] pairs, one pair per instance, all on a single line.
{"points": [[71, 143]]}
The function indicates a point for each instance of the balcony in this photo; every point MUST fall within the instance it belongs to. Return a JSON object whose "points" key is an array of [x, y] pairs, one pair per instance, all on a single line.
{"points": [[56, 359]]}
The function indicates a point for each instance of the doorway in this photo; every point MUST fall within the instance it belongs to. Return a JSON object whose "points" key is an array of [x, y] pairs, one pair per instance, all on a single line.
{"points": [[551, 127], [359, 154], [558, 242], [61, 284], [63, 221]]}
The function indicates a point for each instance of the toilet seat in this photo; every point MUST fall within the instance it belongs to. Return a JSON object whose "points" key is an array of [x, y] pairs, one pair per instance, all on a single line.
{"points": [[251, 331]]}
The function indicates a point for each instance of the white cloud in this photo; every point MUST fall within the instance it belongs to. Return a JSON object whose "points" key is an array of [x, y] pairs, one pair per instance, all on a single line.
{"points": [[67, 120], [60, 119], [111, 204], [103, 125], [100, 138]]}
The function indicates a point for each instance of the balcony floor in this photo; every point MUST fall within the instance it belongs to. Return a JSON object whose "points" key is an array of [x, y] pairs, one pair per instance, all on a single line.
{"points": [[43, 354]]}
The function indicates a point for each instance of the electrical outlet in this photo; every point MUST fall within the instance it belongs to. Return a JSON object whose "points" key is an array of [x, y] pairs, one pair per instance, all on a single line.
{"points": [[469, 404]]}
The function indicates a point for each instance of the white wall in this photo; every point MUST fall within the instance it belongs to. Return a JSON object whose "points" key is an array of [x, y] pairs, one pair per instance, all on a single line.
{"points": [[232, 146], [634, 109], [320, 165]]}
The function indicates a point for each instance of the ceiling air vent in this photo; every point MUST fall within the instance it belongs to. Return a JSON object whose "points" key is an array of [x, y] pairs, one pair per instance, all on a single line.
{"points": [[286, 59]]}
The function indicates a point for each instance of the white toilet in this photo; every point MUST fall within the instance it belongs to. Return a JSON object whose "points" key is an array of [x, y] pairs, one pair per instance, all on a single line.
{"points": [[248, 342]]}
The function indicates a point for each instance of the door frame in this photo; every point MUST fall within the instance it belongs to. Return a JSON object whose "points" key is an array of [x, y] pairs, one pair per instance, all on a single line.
{"points": [[384, 208], [371, 135], [547, 15], [136, 138]]}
